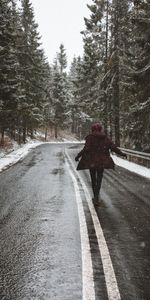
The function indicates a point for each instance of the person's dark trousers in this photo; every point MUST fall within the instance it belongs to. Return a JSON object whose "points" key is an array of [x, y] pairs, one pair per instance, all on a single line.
{"points": [[96, 178]]}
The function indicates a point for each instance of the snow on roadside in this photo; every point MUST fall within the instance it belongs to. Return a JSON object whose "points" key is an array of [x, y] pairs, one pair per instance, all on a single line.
{"points": [[13, 157], [133, 167], [16, 155]]}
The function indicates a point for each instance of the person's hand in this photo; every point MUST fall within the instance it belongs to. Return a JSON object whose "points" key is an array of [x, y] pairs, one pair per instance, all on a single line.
{"points": [[124, 155], [76, 158]]}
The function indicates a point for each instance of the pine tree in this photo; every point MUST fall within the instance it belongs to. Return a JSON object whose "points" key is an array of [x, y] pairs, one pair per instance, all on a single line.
{"points": [[118, 49], [62, 58], [61, 101], [59, 97], [97, 28], [47, 86], [140, 75], [119, 34], [25, 78], [74, 83], [89, 74], [79, 108], [9, 69], [32, 62]]}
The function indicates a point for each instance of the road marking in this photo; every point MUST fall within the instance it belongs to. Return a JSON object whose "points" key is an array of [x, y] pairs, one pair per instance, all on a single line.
{"points": [[88, 290], [110, 278]]}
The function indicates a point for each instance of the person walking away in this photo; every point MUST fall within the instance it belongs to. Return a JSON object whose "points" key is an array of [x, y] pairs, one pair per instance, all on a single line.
{"points": [[95, 156]]}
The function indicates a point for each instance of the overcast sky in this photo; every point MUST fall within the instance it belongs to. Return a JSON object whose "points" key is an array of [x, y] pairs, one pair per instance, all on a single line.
{"points": [[60, 21]]}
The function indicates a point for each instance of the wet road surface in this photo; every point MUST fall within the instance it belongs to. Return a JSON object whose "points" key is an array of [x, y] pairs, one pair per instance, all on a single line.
{"points": [[40, 242]]}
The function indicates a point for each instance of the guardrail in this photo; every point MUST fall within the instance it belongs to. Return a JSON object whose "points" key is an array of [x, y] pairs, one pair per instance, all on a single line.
{"points": [[141, 158]]}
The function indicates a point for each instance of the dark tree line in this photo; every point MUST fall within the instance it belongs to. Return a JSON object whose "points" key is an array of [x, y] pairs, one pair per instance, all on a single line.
{"points": [[110, 82], [33, 93], [24, 84]]}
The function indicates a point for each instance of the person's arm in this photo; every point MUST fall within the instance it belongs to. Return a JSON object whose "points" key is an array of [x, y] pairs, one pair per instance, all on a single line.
{"points": [[84, 150], [115, 149], [79, 155]]}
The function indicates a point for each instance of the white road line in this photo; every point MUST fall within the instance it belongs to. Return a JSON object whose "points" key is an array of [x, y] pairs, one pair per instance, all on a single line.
{"points": [[110, 278], [88, 290]]}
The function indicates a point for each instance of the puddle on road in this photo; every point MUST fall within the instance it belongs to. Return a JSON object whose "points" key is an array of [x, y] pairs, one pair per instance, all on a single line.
{"points": [[61, 157], [56, 171], [31, 164]]}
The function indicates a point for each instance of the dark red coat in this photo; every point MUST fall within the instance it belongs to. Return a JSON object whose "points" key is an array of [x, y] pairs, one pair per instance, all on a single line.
{"points": [[96, 152]]}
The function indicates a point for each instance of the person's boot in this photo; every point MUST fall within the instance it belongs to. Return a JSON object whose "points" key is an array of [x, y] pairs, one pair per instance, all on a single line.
{"points": [[94, 191], [96, 201], [96, 198]]}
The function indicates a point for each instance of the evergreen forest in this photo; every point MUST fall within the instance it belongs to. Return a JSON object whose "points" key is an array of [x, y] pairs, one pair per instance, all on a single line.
{"points": [[110, 83]]}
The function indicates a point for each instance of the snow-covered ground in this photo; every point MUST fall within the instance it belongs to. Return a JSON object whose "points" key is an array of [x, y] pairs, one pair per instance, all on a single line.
{"points": [[18, 154], [135, 168]]}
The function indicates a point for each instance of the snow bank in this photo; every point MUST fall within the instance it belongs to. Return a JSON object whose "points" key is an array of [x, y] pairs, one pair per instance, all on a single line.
{"points": [[16, 155], [133, 167], [65, 141]]}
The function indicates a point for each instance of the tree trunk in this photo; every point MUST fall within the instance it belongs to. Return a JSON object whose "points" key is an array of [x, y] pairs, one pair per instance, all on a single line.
{"points": [[56, 131], [106, 69], [31, 133], [116, 92], [45, 133], [24, 131], [116, 111], [73, 124], [19, 136], [2, 136]]}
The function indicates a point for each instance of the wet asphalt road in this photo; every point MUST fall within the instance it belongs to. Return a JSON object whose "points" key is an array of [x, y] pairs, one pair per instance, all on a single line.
{"points": [[40, 249]]}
